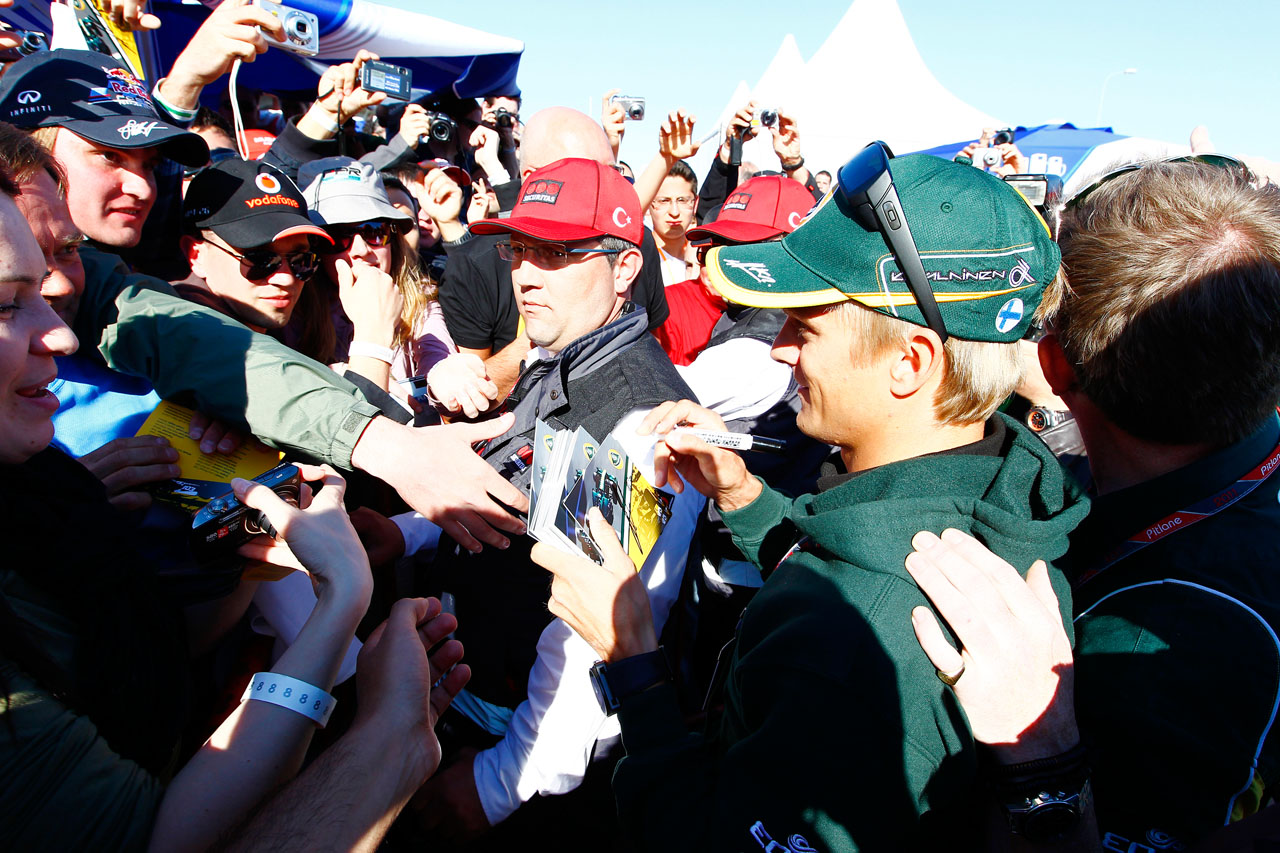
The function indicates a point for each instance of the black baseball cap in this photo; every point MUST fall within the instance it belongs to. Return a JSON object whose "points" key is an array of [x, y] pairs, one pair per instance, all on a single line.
{"points": [[248, 204], [93, 96]]}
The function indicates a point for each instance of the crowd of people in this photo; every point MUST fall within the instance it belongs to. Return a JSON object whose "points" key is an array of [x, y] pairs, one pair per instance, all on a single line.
{"points": [[1008, 585]]}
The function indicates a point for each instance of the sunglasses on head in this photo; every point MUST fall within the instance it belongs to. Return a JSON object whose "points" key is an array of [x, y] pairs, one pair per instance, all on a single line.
{"points": [[1220, 161], [374, 234], [868, 196], [264, 263]]}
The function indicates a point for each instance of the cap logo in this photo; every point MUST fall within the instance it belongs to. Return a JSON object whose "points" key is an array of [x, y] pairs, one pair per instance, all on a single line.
{"points": [[794, 219], [1021, 274], [544, 192], [620, 217], [1009, 316], [270, 199], [133, 128], [760, 272], [267, 182], [737, 201], [123, 88], [29, 96]]}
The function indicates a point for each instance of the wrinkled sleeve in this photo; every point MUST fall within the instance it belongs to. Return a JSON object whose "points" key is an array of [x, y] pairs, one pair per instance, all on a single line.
{"points": [[202, 358], [61, 786]]}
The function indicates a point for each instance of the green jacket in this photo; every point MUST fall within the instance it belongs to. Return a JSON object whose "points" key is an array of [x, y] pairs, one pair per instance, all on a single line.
{"points": [[197, 356], [836, 733]]}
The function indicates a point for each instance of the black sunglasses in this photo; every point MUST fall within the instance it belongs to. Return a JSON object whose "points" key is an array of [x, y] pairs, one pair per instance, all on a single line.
{"points": [[374, 234], [264, 263], [867, 191]]}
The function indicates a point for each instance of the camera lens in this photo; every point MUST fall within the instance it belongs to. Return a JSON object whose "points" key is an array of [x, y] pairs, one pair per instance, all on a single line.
{"points": [[769, 118], [1004, 137], [635, 112], [503, 118], [31, 43], [991, 158], [440, 131]]}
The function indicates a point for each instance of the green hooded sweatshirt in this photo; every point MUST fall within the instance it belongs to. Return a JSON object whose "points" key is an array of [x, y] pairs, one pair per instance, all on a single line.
{"points": [[836, 733]]}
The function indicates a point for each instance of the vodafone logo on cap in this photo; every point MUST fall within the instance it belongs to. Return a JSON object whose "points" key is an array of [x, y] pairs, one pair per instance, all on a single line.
{"points": [[267, 182], [620, 217]]}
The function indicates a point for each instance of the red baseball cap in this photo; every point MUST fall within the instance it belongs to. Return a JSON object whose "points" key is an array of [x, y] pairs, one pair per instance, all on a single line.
{"points": [[761, 209], [258, 143], [571, 200], [457, 173]]}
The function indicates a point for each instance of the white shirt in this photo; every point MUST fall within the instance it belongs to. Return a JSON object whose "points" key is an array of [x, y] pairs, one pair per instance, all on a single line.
{"points": [[552, 734]]}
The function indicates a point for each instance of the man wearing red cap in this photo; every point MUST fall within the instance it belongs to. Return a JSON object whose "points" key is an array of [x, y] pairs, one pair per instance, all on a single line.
{"points": [[572, 244]]}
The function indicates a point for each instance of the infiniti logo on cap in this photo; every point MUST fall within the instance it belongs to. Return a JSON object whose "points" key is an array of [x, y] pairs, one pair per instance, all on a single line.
{"points": [[29, 96]]}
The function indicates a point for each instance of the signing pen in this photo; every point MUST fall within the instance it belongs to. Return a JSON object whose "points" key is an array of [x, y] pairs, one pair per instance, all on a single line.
{"points": [[736, 440]]}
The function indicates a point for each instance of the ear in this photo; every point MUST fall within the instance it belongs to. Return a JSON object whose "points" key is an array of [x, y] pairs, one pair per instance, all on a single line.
{"points": [[915, 362], [626, 268], [1058, 369], [193, 251]]}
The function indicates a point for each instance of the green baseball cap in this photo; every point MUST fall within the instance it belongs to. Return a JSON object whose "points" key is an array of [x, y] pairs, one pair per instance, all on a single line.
{"points": [[986, 252]]}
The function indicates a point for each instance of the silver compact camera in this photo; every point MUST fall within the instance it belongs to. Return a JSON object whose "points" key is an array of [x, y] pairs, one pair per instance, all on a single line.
{"points": [[769, 117], [632, 107], [301, 29]]}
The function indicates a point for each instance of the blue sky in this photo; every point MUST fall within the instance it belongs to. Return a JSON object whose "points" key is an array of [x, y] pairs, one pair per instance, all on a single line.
{"points": [[1213, 64]]}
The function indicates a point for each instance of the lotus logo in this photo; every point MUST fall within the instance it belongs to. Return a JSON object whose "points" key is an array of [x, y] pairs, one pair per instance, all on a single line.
{"points": [[29, 96]]}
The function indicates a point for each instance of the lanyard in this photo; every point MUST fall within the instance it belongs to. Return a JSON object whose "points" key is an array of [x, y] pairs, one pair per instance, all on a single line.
{"points": [[1184, 518]]}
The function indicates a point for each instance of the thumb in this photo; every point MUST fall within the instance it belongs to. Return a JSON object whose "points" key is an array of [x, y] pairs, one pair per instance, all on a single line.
{"points": [[260, 497], [346, 277], [606, 538], [483, 430], [1042, 587]]}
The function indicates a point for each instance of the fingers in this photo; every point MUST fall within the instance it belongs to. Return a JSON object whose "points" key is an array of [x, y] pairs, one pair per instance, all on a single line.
{"points": [[443, 691], [606, 539], [199, 423], [262, 498], [335, 487], [931, 638], [566, 567], [1002, 577], [1042, 588], [346, 277], [214, 435]]}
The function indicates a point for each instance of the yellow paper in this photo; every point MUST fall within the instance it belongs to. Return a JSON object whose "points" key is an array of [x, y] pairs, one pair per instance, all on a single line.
{"points": [[203, 476]]}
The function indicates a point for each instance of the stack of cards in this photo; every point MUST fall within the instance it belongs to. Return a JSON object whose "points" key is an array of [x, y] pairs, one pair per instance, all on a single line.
{"points": [[572, 472]]}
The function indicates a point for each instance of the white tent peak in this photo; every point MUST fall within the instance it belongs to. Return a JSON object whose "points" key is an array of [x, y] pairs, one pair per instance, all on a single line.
{"points": [[867, 81]]}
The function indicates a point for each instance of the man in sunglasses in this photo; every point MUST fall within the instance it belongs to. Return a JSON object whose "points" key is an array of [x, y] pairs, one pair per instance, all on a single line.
{"points": [[572, 242], [905, 292], [249, 243]]}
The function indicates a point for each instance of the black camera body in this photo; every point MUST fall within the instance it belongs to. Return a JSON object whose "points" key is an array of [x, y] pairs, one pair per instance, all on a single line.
{"points": [[1004, 136], [224, 524], [504, 118], [395, 81], [33, 41], [441, 127]]}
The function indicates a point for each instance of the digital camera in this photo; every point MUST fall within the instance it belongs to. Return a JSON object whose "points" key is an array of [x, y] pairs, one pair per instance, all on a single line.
{"points": [[33, 41], [1004, 136], [441, 127], [503, 117], [301, 29], [224, 524], [632, 107], [768, 117], [395, 81]]}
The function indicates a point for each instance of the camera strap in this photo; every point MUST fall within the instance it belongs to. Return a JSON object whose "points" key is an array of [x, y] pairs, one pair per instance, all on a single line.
{"points": [[1184, 518]]}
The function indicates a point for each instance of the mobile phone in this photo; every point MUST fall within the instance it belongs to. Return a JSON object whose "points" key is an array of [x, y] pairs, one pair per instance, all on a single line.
{"points": [[395, 80]]}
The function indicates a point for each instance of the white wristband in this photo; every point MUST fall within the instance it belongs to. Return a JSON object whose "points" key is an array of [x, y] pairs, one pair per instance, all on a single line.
{"points": [[298, 696], [368, 350]]}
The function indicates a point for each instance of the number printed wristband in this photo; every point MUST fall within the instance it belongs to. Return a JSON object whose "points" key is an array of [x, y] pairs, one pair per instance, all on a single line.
{"points": [[305, 699]]}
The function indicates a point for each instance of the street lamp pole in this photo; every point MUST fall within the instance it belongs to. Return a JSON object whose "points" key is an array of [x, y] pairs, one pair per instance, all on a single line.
{"points": [[1097, 121]]}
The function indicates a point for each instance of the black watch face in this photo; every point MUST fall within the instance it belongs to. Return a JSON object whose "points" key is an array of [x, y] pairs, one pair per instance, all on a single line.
{"points": [[1037, 420], [1050, 821]]}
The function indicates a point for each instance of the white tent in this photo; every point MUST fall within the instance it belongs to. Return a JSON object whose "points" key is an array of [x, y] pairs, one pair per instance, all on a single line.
{"points": [[866, 82]]}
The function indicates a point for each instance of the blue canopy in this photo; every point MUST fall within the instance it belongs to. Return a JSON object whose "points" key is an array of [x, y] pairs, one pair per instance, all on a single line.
{"points": [[1054, 149], [442, 55]]}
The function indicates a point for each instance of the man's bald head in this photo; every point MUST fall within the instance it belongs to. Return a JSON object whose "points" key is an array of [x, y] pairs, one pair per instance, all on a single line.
{"points": [[558, 132]]}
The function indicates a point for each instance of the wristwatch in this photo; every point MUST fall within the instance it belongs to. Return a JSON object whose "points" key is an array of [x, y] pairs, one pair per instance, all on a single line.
{"points": [[1041, 418], [1047, 815], [615, 682]]}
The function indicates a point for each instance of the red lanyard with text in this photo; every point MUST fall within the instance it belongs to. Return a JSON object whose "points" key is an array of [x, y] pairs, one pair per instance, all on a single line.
{"points": [[1184, 518]]}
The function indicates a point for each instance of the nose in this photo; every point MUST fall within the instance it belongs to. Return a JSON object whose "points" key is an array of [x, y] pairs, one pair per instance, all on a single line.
{"points": [[785, 349], [51, 336], [361, 249], [56, 287], [140, 183]]}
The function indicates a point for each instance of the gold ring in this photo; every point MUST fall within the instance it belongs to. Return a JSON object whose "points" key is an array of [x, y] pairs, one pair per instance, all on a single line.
{"points": [[950, 678]]}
